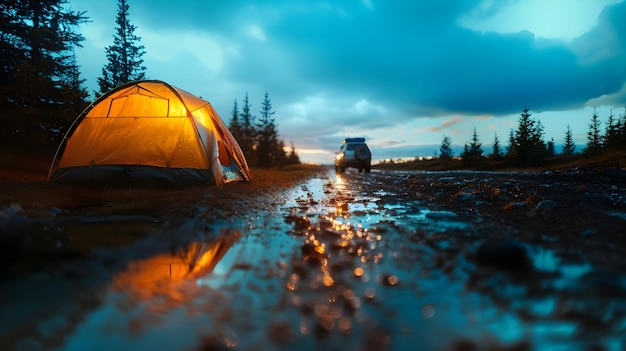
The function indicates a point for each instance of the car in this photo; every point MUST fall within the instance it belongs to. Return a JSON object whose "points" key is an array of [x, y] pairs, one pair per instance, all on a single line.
{"points": [[355, 153]]}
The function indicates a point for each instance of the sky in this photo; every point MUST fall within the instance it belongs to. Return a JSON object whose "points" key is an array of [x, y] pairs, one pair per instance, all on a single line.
{"points": [[401, 73]]}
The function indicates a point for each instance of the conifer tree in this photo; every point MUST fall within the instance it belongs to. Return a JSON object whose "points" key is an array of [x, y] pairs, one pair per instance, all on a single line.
{"points": [[612, 132], [621, 130], [40, 87], [497, 153], [527, 146], [539, 146], [234, 126], [445, 150], [550, 147], [473, 151], [292, 156], [594, 139], [248, 132], [124, 57], [511, 148], [568, 145], [270, 150]]}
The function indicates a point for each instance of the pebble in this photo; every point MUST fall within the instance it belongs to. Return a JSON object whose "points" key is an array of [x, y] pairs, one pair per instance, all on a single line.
{"points": [[440, 214], [503, 254], [299, 222], [545, 205]]}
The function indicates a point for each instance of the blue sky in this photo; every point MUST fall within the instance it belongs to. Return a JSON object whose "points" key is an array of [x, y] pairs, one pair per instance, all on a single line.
{"points": [[402, 73]]}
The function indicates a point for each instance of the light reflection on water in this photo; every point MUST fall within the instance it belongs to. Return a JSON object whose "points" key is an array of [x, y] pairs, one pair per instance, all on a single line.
{"points": [[455, 310], [545, 260], [346, 269]]}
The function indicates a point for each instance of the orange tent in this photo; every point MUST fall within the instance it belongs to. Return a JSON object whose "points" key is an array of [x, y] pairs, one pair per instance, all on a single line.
{"points": [[148, 131]]}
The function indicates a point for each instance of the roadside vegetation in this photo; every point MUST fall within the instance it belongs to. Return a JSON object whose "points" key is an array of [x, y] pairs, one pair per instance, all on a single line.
{"points": [[608, 159], [527, 149]]}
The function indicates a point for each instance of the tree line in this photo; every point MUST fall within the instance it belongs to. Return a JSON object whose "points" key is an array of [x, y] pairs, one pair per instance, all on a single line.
{"points": [[258, 138], [527, 145], [42, 92]]}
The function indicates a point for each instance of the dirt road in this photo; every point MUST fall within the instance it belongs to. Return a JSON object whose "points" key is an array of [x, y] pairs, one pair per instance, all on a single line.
{"points": [[378, 261]]}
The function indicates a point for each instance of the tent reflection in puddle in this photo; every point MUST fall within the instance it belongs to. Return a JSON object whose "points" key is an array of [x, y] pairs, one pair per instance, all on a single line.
{"points": [[172, 275]]}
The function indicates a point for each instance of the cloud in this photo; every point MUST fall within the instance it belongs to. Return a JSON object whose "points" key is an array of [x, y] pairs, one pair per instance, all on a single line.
{"points": [[172, 48], [606, 43], [617, 99], [548, 19], [409, 56], [371, 68], [445, 125], [256, 32], [388, 143], [439, 68]]}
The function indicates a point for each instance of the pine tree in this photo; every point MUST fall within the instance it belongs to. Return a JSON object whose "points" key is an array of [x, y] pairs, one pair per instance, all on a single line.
{"points": [[465, 153], [550, 147], [292, 156], [612, 132], [527, 146], [124, 57], [497, 153], [510, 149], [234, 126], [280, 155], [621, 130], [248, 132], [40, 88], [473, 151], [594, 139], [270, 150], [568, 145], [540, 147], [445, 150]]}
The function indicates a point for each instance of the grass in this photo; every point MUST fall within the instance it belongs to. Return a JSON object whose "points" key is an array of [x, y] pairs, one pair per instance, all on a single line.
{"points": [[608, 159], [21, 165], [23, 181]]}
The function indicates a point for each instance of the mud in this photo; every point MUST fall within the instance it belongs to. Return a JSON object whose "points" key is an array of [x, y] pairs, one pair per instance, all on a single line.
{"points": [[356, 261]]}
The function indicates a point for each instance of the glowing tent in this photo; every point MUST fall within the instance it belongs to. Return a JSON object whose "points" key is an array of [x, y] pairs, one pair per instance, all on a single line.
{"points": [[151, 132]]}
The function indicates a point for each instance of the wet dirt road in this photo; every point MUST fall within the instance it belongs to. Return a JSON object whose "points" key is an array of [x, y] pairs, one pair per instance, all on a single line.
{"points": [[379, 261]]}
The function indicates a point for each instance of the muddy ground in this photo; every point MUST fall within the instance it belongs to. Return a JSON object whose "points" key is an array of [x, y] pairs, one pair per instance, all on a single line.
{"points": [[389, 260]]}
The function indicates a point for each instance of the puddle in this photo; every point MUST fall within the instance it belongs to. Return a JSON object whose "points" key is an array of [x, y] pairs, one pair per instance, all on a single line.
{"points": [[331, 267]]}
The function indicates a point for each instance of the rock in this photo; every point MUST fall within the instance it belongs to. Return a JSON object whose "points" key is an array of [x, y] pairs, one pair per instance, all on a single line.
{"points": [[545, 206], [299, 222], [503, 254], [13, 219], [544, 209], [440, 215], [311, 253]]}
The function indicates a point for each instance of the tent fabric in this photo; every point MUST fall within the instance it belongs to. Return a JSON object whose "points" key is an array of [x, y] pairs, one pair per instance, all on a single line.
{"points": [[150, 129]]}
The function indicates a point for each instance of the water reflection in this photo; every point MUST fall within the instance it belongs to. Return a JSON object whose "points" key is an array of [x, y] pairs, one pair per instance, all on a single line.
{"points": [[86, 295], [426, 272], [159, 275], [338, 267], [340, 183]]}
